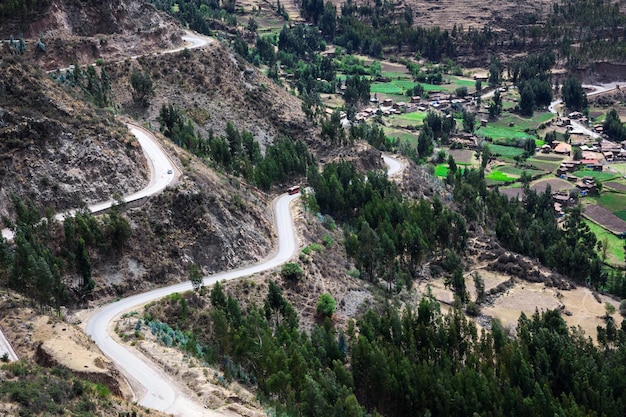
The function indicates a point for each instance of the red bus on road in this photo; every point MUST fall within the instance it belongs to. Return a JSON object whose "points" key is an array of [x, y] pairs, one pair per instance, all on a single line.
{"points": [[293, 190]]}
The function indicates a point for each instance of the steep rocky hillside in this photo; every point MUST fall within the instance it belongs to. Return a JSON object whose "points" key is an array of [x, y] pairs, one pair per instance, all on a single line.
{"points": [[206, 219], [76, 31], [57, 150], [213, 86]]}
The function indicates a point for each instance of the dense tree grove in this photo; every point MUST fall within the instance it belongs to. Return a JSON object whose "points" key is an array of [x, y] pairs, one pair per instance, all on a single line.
{"points": [[237, 152], [194, 13], [574, 94], [43, 251], [532, 77], [19, 8], [95, 84], [613, 126], [388, 236], [530, 227], [399, 363]]}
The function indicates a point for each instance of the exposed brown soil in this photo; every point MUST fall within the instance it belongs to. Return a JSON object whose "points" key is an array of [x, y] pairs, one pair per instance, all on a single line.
{"points": [[49, 341], [605, 218], [463, 156], [515, 192], [616, 186], [57, 150], [214, 86], [556, 184]]}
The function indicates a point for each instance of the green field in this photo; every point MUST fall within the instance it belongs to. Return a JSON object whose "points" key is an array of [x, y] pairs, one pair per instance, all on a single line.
{"points": [[621, 214], [404, 84], [386, 88], [597, 175], [544, 163], [394, 75], [614, 202], [615, 252], [441, 170], [502, 132], [512, 170], [500, 128], [619, 167], [400, 83], [400, 134], [416, 116], [505, 151], [499, 176], [462, 82]]}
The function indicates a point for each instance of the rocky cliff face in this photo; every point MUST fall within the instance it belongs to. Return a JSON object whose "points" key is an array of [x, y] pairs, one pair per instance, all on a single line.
{"points": [[78, 31], [58, 151], [214, 86]]}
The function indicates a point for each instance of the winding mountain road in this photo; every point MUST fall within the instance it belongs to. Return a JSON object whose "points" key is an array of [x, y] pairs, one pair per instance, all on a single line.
{"points": [[159, 389], [160, 392], [597, 89], [395, 166], [156, 389]]}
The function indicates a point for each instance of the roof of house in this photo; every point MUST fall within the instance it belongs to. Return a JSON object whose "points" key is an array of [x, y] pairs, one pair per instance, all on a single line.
{"points": [[563, 148]]}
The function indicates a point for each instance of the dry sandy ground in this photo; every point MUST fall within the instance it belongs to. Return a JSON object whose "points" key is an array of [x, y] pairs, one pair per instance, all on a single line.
{"points": [[527, 297], [204, 384]]}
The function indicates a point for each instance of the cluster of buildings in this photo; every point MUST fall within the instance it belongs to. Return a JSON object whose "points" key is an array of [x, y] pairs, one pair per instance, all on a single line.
{"points": [[387, 107]]}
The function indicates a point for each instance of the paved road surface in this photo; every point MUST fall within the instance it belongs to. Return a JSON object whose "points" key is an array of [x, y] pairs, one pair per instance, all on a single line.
{"points": [[159, 388], [395, 166], [5, 347]]}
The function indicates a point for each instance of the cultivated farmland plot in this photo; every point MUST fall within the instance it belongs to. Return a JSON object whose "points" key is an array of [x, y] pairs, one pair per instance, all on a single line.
{"points": [[556, 184], [605, 218]]}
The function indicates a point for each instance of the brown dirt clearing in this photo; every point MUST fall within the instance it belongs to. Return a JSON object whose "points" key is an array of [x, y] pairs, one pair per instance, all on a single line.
{"points": [[556, 184], [463, 156], [527, 297]]}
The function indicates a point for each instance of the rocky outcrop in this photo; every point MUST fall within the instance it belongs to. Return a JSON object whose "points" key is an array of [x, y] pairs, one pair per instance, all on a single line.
{"points": [[76, 31], [521, 267], [47, 355], [57, 151]]}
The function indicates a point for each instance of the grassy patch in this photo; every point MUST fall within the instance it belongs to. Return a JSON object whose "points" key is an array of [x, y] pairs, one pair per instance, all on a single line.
{"points": [[400, 134], [615, 252], [441, 170], [416, 116], [502, 132], [512, 170], [501, 129], [544, 164], [396, 74], [462, 82], [619, 167], [404, 84], [621, 214], [499, 176], [597, 175], [505, 151], [386, 88], [613, 202], [433, 87]]}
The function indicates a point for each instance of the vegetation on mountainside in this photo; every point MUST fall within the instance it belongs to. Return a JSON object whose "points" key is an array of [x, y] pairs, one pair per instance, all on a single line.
{"points": [[19, 8], [195, 13], [396, 363], [97, 87], [37, 260], [53, 391], [237, 152], [390, 237]]}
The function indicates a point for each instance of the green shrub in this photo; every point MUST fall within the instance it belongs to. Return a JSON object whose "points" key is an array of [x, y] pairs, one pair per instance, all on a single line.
{"points": [[326, 305], [292, 271]]}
